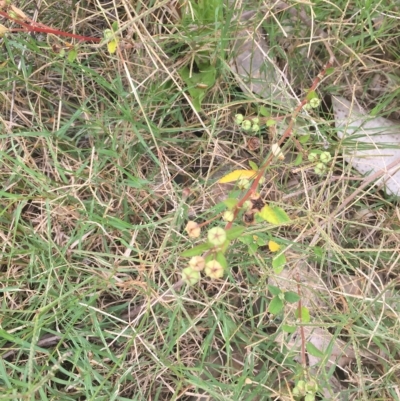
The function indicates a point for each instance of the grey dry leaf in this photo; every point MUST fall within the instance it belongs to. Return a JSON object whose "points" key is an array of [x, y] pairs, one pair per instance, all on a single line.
{"points": [[376, 142], [257, 71]]}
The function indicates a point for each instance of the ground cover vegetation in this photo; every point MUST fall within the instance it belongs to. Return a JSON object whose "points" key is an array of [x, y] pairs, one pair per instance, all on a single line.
{"points": [[180, 219]]}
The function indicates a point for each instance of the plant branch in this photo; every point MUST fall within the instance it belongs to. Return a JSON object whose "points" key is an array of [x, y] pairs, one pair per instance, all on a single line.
{"points": [[33, 27], [286, 134]]}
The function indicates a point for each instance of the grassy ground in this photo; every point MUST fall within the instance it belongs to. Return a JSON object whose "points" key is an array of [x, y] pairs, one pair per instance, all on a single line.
{"points": [[105, 157]]}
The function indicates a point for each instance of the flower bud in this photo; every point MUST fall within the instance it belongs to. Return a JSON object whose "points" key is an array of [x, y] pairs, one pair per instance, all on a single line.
{"points": [[315, 102], [197, 263], [190, 276], [320, 169], [216, 236], [214, 269], [246, 125], [325, 157], [255, 128], [239, 119], [248, 205], [228, 216], [193, 229], [244, 183], [313, 157]]}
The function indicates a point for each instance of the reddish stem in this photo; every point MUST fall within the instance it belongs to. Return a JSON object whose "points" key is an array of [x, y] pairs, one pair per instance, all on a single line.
{"points": [[32, 27], [286, 134]]}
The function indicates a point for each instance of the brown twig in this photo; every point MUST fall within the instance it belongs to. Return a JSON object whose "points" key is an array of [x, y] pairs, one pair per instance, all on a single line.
{"points": [[35, 27]]}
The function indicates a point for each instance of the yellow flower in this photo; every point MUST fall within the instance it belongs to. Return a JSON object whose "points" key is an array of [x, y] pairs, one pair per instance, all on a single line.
{"points": [[273, 246]]}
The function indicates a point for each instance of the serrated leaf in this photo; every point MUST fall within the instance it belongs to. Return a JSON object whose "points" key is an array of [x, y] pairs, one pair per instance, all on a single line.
{"points": [[274, 290], [230, 203], [197, 250], [274, 215], [234, 232], [313, 350], [291, 297], [298, 160], [253, 165], [278, 263], [237, 175], [275, 306], [220, 258], [305, 315], [273, 246]]}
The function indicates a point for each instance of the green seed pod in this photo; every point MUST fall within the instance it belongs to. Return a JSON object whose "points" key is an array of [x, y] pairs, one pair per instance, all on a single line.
{"points": [[239, 119], [216, 236], [246, 125], [325, 157], [315, 102], [320, 169], [190, 276], [313, 157]]}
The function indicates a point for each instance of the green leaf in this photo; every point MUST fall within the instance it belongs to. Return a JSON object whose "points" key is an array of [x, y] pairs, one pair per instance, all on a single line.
{"points": [[305, 315], [198, 83], [261, 241], [197, 250], [230, 203], [288, 329], [274, 290], [234, 232], [246, 239], [274, 215], [329, 70], [304, 138], [313, 350], [72, 55], [275, 306], [291, 297], [253, 165], [298, 160], [262, 110], [114, 26], [312, 95], [278, 263], [253, 248], [220, 258], [270, 122]]}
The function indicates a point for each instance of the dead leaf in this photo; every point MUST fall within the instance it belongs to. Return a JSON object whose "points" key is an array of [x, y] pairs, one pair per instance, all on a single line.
{"points": [[376, 142], [236, 175]]}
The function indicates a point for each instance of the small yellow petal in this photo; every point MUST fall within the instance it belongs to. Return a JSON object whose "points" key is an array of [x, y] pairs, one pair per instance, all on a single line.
{"points": [[273, 246]]}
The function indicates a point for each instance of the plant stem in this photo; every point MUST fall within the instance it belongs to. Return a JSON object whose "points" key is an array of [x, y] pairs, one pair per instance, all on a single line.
{"points": [[31, 27], [285, 135]]}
